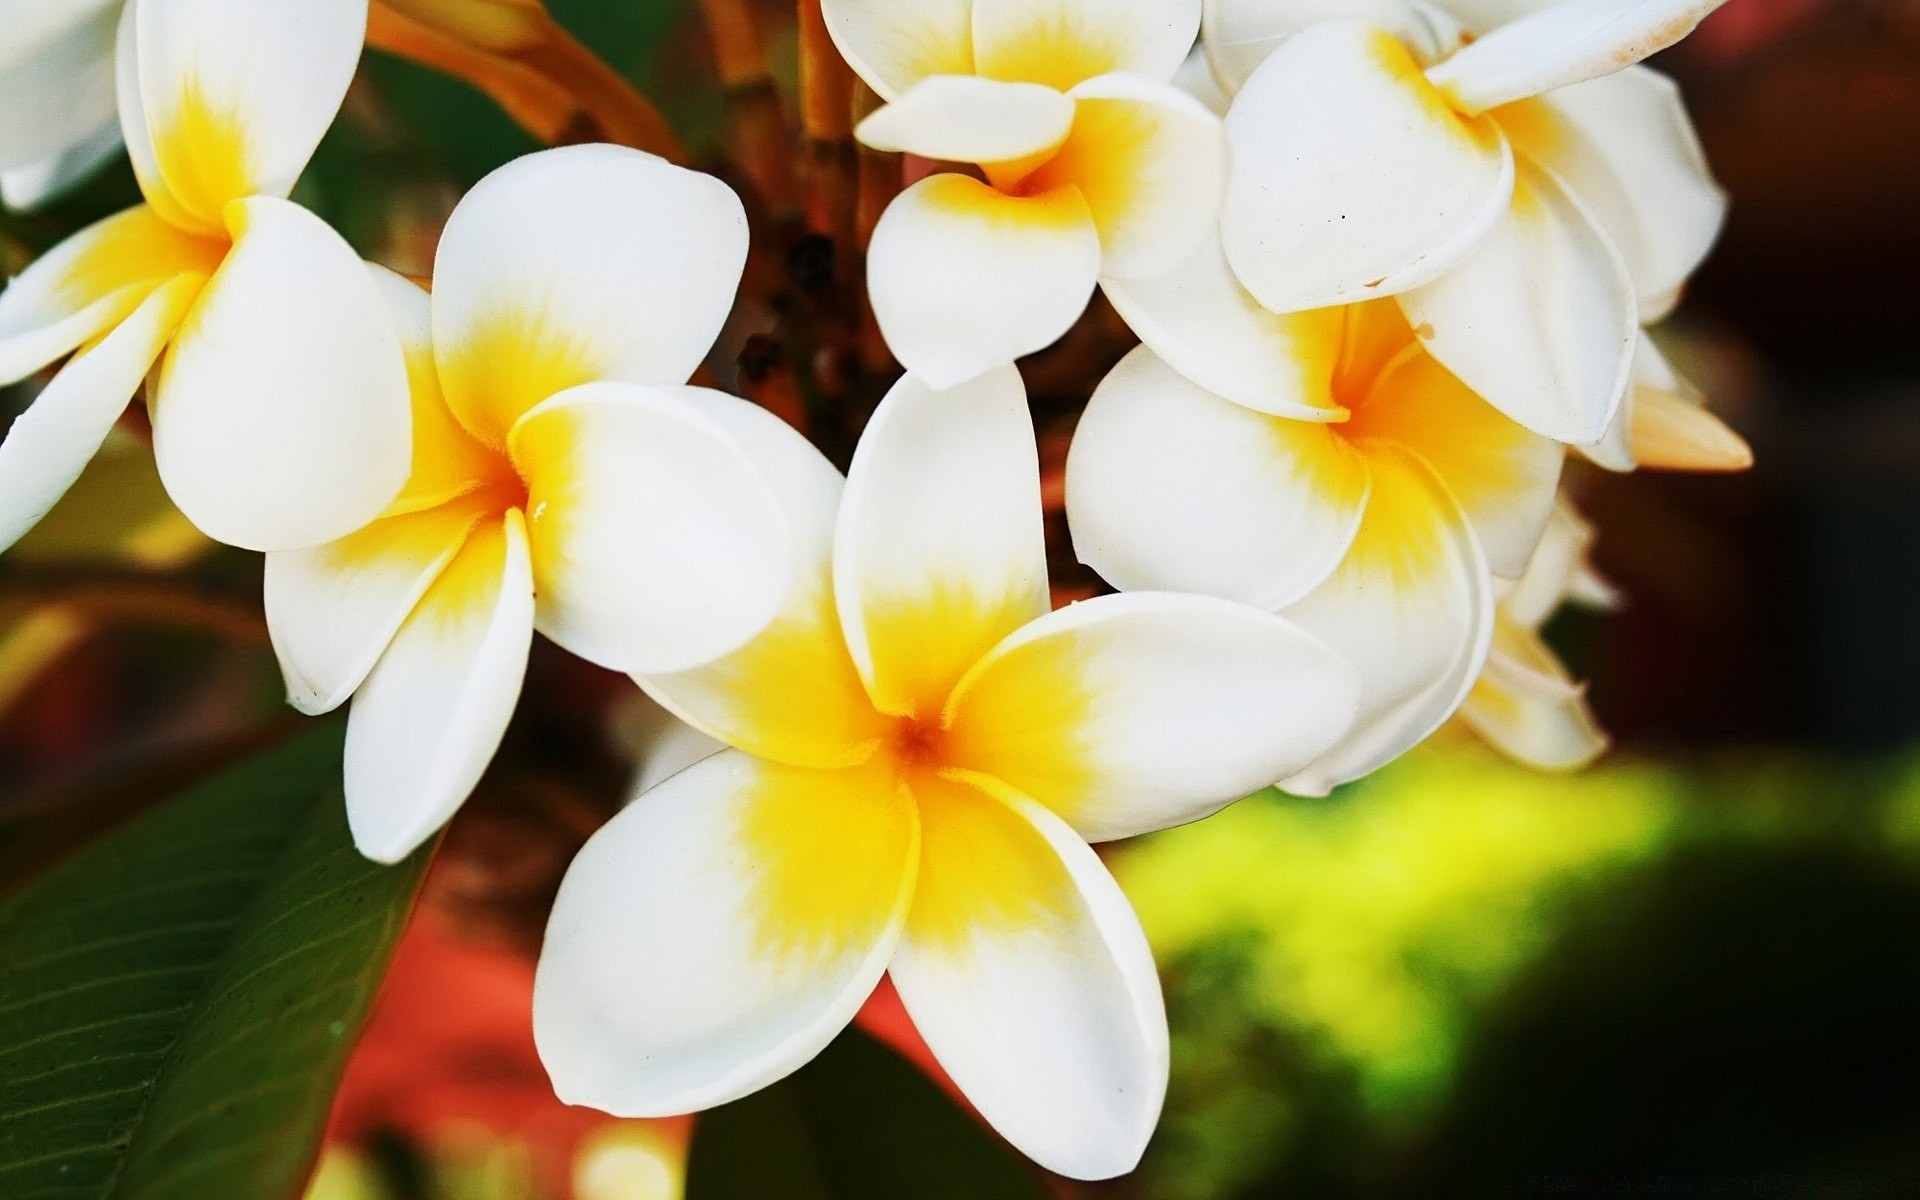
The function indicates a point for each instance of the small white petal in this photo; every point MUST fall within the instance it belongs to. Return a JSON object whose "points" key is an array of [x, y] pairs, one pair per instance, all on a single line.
{"points": [[894, 44], [965, 118]]}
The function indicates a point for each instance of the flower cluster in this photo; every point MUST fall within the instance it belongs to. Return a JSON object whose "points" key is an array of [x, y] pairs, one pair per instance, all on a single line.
{"points": [[1389, 263]]}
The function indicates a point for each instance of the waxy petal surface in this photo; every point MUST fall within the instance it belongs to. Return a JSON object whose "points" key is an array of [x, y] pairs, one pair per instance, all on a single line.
{"points": [[894, 44], [1062, 43], [965, 118], [1240, 34]]}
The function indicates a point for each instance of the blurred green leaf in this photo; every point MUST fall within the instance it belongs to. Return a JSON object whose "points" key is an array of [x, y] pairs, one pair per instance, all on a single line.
{"points": [[177, 1002], [858, 1123]]}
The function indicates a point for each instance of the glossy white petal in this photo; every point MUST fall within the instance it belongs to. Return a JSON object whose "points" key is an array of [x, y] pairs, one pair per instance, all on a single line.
{"points": [[1387, 192], [1129, 714], [578, 265], [894, 44], [940, 551], [1240, 34], [58, 94], [1206, 325], [1065, 42], [1541, 320], [1565, 44], [236, 94], [1170, 487], [657, 545], [719, 932], [965, 279], [965, 118], [429, 717], [51, 443], [282, 419], [1024, 968], [39, 183], [1412, 607], [1625, 146]]}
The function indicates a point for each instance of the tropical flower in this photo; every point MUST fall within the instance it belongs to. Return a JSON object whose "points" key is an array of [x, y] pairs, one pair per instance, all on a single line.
{"points": [[57, 115], [1500, 166], [1092, 165], [563, 480], [1320, 464], [280, 408], [921, 754], [1526, 704]]}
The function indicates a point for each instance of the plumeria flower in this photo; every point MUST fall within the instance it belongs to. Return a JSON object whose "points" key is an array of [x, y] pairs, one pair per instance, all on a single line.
{"points": [[563, 480], [57, 114], [921, 754], [1664, 424], [1500, 166], [1320, 464], [280, 406], [1526, 704], [1090, 164]]}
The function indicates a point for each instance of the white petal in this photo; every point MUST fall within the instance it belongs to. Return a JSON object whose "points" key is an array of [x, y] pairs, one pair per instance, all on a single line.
{"points": [[51, 443], [659, 744], [281, 419], [1412, 607], [1624, 145], [35, 184], [965, 279], [894, 44], [83, 286], [1207, 326], [1195, 77], [1025, 969], [1172, 487], [1240, 34], [429, 717], [1567, 43], [1541, 320], [1527, 707], [59, 93], [1543, 586], [942, 519], [1129, 714], [964, 118], [334, 609], [1065, 42], [1151, 162], [719, 932], [1389, 191], [237, 94], [657, 545], [578, 265]]}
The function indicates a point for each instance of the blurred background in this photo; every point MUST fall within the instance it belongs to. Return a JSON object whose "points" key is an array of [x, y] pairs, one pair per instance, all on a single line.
{"points": [[1693, 969]]}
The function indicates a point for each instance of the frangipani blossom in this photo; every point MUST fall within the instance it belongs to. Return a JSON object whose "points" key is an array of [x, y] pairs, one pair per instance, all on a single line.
{"points": [[1526, 704], [280, 406], [1500, 166], [1320, 464], [57, 114], [563, 480], [1091, 165], [921, 754]]}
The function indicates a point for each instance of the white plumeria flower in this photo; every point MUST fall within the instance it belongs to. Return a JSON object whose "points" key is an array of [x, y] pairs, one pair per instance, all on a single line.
{"points": [[922, 754], [280, 408], [1320, 464], [57, 116], [564, 479], [1526, 704], [1500, 166], [1093, 165], [1664, 424]]}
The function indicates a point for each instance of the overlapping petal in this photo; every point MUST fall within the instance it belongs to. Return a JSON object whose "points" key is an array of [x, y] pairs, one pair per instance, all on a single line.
{"points": [[1025, 969], [1172, 487], [428, 718], [1240, 34], [1384, 190], [578, 265], [894, 44], [1541, 319], [1062, 43], [1129, 714], [940, 551], [1526, 706], [967, 118], [1566, 43], [56, 78], [657, 545], [38, 183], [49, 445], [281, 415], [720, 931], [965, 279]]}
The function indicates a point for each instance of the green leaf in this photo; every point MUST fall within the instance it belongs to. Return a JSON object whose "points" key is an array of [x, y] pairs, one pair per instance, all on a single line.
{"points": [[177, 1001], [858, 1123]]}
